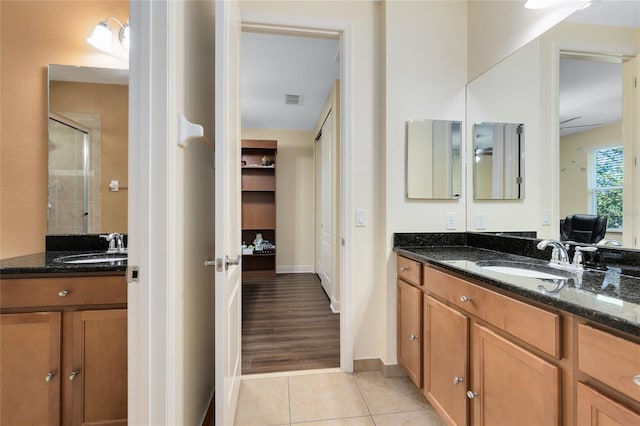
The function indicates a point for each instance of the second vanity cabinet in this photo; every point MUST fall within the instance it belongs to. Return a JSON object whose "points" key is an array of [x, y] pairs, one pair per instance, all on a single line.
{"points": [[410, 318], [63, 351], [477, 372], [492, 359]]}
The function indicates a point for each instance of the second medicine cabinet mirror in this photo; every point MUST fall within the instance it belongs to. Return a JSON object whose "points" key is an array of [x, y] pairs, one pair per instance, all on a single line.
{"points": [[498, 163], [433, 159]]}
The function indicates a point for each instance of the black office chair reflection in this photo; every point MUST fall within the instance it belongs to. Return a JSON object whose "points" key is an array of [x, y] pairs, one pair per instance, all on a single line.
{"points": [[583, 228]]}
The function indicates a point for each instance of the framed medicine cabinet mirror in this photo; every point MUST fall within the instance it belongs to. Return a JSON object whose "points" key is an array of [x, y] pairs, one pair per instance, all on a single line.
{"points": [[87, 150], [433, 159], [498, 163]]}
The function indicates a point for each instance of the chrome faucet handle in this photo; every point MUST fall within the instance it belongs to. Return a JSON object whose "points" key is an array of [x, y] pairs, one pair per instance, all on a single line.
{"points": [[116, 243], [577, 258]]}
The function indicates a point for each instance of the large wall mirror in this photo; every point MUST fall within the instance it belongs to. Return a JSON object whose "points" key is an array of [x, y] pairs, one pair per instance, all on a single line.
{"points": [[498, 164], [433, 159], [88, 150], [573, 88]]}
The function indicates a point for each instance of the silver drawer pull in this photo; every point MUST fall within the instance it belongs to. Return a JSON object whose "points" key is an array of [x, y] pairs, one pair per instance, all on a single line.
{"points": [[414, 337], [49, 376], [636, 380], [63, 293], [465, 298], [457, 380], [73, 374], [403, 269], [472, 395]]}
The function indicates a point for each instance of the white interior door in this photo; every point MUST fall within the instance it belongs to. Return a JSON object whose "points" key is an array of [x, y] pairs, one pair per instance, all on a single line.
{"points": [[324, 205], [228, 297]]}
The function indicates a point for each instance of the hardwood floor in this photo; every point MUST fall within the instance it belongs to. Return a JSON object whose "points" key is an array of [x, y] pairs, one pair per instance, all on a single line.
{"points": [[287, 325]]}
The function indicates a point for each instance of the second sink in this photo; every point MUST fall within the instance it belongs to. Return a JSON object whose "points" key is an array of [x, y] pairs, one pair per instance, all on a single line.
{"points": [[523, 269]]}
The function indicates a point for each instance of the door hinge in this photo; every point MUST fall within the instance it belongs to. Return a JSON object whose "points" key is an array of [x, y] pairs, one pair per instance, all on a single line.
{"points": [[133, 274]]}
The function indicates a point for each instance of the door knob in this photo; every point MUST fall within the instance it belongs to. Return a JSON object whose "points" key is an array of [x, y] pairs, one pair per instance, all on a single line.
{"points": [[465, 298], [414, 337], [49, 376], [472, 395], [457, 380], [228, 261]]}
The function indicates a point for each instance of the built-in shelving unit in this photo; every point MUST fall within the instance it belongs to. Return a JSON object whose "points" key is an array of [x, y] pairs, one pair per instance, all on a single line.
{"points": [[258, 163]]}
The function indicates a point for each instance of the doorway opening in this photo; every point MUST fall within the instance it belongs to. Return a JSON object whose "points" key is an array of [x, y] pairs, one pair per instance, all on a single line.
{"points": [[290, 93]]}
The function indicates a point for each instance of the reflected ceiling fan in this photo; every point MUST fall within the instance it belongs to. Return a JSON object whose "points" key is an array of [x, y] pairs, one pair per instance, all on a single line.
{"points": [[563, 122]]}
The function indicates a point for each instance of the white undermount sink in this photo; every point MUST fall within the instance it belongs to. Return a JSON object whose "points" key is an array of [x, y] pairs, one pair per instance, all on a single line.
{"points": [[523, 269], [93, 258]]}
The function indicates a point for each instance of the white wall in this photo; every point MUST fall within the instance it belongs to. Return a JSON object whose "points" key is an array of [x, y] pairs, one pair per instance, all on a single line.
{"points": [[509, 93], [496, 29], [294, 197], [361, 61], [425, 62], [574, 167]]}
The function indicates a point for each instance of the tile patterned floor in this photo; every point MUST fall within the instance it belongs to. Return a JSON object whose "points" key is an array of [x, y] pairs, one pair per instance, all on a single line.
{"points": [[332, 399]]}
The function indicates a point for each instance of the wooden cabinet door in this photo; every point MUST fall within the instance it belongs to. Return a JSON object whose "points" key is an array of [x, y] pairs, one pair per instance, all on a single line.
{"points": [[30, 369], [512, 385], [595, 409], [446, 349], [410, 330], [97, 380]]}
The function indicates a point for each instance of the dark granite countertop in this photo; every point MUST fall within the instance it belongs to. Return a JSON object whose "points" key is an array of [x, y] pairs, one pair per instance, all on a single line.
{"points": [[605, 297], [44, 264]]}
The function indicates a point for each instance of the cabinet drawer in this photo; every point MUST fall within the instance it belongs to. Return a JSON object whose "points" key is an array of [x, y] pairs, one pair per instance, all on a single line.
{"points": [[70, 291], [609, 359], [410, 270], [533, 325], [456, 291]]}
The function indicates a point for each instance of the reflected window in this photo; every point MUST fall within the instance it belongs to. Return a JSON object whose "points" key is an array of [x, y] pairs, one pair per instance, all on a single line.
{"points": [[605, 184]]}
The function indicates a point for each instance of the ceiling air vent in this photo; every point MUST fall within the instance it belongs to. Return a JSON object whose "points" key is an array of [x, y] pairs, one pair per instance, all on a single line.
{"points": [[293, 99]]}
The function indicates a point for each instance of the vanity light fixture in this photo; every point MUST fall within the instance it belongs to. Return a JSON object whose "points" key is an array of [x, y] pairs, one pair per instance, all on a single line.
{"points": [[101, 36], [545, 4]]}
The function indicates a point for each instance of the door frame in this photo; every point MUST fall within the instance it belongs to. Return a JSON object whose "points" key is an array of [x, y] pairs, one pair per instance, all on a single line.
{"points": [[291, 26], [151, 332]]}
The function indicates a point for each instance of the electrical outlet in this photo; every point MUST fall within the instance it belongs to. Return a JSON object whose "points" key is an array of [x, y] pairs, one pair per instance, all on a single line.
{"points": [[481, 221], [546, 217], [451, 220]]}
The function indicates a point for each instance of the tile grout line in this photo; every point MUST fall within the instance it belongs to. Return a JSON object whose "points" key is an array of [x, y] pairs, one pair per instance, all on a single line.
{"points": [[289, 397], [363, 397]]}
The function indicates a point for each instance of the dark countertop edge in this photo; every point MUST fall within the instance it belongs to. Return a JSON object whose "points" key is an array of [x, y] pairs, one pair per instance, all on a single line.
{"points": [[40, 264], [592, 315]]}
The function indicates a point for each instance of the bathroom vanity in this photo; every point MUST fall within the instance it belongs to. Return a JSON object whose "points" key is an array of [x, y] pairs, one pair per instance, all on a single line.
{"points": [[491, 347], [63, 349]]}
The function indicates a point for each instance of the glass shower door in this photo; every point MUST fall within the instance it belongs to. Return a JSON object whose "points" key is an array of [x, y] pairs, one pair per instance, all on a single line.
{"points": [[68, 187]]}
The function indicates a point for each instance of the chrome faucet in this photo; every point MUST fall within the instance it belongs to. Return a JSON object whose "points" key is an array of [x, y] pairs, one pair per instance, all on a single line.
{"points": [[116, 243], [559, 255], [609, 242]]}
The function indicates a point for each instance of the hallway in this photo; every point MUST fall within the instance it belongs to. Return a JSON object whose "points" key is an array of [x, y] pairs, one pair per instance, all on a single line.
{"points": [[287, 325]]}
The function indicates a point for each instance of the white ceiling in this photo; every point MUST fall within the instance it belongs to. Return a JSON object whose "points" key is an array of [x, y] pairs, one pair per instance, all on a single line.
{"points": [[274, 66], [590, 90]]}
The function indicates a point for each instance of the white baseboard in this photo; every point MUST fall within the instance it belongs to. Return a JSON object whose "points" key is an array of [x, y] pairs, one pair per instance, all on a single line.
{"points": [[335, 306], [294, 269]]}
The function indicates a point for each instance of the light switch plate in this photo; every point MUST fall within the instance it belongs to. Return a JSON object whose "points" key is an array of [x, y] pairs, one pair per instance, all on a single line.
{"points": [[361, 217], [481, 221]]}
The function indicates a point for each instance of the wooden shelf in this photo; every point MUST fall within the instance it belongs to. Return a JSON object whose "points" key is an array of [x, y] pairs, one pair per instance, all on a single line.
{"points": [[258, 185]]}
